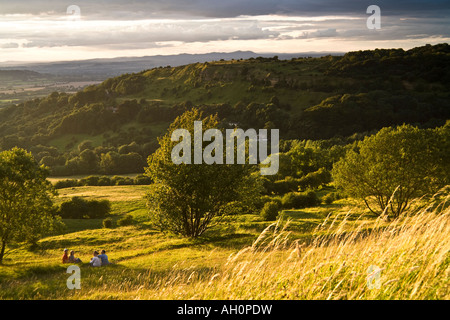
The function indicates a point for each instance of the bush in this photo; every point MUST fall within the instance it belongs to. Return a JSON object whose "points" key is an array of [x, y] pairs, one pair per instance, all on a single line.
{"points": [[279, 187], [313, 180], [121, 181], [68, 183], [108, 223], [125, 221], [90, 181], [270, 211], [142, 180], [265, 199], [73, 209], [79, 208], [125, 182], [104, 181], [300, 200], [331, 197], [98, 208]]}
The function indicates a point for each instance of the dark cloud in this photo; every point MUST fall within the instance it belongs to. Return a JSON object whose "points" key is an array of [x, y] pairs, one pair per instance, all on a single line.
{"points": [[138, 9]]}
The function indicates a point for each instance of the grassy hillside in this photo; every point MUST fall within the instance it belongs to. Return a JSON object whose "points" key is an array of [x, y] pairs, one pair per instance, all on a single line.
{"points": [[306, 98], [322, 106], [318, 253]]}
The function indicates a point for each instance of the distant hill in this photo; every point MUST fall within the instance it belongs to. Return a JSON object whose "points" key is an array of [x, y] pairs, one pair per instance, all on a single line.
{"points": [[95, 69], [22, 75], [112, 127]]}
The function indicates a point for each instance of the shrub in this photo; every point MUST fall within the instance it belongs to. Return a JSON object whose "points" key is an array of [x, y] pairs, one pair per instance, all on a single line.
{"points": [[90, 181], [85, 145], [279, 187], [108, 223], [104, 181], [331, 197], [125, 182], [265, 199], [79, 208], [98, 208], [68, 183], [299, 200], [121, 181], [270, 210], [142, 180], [315, 179], [125, 221], [115, 180], [75, 208]]}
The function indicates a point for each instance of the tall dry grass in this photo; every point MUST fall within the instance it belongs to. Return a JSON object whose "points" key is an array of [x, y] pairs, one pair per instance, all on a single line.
{"points": [[411, 253]]}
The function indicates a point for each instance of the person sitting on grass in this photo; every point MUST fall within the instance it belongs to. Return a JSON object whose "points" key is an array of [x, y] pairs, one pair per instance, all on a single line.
{"points": [[65, 257], [95, 260], [73, 259], [104, 258]]}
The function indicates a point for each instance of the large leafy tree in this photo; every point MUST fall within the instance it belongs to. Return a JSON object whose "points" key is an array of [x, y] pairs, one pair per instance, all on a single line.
{"points": [[26, 207], [389, 169], [187, 198]]}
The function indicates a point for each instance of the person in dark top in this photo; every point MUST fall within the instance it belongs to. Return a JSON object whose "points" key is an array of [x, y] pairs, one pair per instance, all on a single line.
{"points": [[104, 258]]}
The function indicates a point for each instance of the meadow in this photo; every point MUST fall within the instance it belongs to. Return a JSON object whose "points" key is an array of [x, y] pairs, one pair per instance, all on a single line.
{"points": [[316, 253]]}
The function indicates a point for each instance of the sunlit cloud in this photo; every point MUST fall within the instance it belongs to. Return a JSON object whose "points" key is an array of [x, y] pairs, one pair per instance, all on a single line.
{"points": [[41, 31]]}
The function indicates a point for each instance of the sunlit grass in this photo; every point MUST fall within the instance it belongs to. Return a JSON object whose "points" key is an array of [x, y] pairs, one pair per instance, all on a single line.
{"points": [[316, 253], [111, 193], [413, 255]]}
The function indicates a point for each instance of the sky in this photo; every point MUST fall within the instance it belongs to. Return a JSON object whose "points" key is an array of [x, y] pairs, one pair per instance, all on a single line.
{"points": [[50, 30]]}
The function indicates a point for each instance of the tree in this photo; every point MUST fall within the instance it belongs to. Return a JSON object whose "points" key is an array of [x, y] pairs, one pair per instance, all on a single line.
{"points": [[186, 198], [85, 145], [270, 211], [389, 169], [26, 207], [109, 162], [87, 162]]}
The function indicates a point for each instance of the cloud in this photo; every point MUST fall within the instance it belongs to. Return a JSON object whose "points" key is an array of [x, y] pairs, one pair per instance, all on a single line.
{"points": [[325, 33], [135, 33], [143, 9], [10, 45], [109, 25], [44, 32]]}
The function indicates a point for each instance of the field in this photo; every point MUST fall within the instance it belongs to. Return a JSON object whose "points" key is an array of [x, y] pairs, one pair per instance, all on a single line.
{"points": [[316, 253], [12, 92]]}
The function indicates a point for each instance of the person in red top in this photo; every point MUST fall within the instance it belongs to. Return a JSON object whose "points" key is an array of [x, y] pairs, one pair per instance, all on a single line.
{"points": [[65, 257]]}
